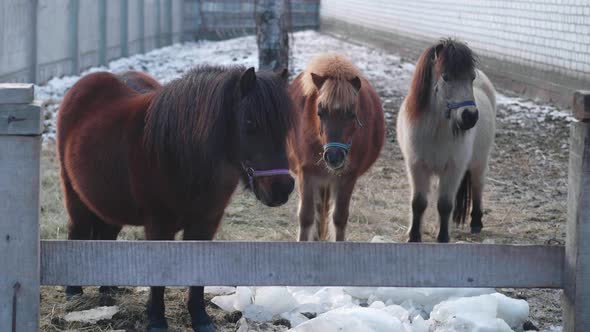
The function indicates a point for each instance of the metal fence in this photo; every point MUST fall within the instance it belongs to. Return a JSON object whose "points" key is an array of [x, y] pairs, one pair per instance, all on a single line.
{"points": [[229, 18], [540, 42], [41, 39]]}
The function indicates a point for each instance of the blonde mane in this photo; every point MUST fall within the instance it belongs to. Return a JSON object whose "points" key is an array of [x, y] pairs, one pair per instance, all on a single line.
{"points": [[337, 89]]}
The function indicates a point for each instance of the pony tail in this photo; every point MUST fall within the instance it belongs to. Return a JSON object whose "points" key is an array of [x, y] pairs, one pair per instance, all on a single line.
{"points": [[463, 200]]}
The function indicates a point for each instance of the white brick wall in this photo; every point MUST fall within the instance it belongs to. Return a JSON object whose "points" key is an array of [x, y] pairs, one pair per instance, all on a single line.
{"points": [[553, 35]]}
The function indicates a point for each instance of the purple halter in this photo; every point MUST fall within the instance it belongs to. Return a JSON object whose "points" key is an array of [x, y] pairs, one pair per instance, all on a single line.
{"points": [[252, 173]]}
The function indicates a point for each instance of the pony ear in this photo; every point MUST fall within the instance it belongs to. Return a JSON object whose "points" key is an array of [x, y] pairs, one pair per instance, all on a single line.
{"points": [[283, 74], [247, 81], [356, 83], [318, 80], [437, 49]]}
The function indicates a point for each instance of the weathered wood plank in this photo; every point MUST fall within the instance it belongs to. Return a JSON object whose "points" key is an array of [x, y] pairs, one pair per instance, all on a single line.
{"points": [[581, 105], [21, 119], [16, 93], [179, 263], [576, 300], [19, 233]]}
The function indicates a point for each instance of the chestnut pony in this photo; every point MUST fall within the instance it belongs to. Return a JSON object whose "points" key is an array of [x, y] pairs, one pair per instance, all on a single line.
{"points": [[170, 159], [445, 128], [338, 136]]}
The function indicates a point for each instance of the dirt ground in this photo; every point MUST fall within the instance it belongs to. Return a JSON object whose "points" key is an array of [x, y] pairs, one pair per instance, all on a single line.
{"points": [[525, 203]]}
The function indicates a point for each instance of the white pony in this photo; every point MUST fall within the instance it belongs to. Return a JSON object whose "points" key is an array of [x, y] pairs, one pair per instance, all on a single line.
{"points": [[446, 127]]}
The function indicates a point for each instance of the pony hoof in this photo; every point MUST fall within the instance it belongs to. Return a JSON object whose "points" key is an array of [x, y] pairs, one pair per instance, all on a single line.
{"points": [[204, 328], [414, 239], [73, 292], [158, 325], [157, 329], [476, 229], [443, 239], [111, 290]]}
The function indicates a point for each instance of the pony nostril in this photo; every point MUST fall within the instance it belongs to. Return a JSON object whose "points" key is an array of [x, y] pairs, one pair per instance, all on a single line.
{"points": [[465, 116], [334, 156], [468, 116], [327, 156], [290, 185]]}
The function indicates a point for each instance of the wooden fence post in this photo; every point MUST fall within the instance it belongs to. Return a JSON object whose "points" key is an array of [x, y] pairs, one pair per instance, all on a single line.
{"points": [[576, 301], [20, 143]]}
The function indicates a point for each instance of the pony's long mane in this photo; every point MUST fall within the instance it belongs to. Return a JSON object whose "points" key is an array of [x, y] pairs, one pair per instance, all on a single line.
{"points": [[270, 107], [337, 89], [188, 126], [447, 56]]}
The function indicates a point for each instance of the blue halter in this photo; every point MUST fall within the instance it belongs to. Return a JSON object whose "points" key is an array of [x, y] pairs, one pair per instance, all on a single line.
{"points": [[344, 146], [452, 106]]}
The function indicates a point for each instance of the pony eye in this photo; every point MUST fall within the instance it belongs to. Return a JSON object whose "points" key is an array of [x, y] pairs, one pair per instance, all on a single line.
{"points": [[445, 77], [321, 114], [473, 77], [250, 126]]}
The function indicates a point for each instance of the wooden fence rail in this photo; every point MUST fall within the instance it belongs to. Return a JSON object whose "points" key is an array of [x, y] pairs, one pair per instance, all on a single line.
{"points": [[177, 263], [26, 263]]}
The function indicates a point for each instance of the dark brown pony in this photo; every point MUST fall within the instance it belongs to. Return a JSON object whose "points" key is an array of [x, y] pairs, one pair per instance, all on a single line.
{"points": [[170, 159], [338, 136]]}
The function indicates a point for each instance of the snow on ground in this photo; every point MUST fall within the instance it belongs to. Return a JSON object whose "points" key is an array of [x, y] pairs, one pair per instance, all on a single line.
{"points": [[336, 308], [354, 309], [388, 71], [92, 315]]}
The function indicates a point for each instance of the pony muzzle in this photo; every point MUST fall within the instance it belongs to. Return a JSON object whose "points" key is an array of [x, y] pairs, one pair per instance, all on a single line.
{"points": [[335, 155], [468, 117], [466, 114], [272, 187]]}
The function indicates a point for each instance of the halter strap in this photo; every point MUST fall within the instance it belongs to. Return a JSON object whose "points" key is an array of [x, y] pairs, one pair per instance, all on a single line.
{"points": [[452, 106], [461, 104], [252, 173], [343, 146]]}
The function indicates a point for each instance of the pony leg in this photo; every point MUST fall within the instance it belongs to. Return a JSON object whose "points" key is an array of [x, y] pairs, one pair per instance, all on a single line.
{"points": [[203, 231], [104, 231], [420, 186], [343, 193], [448, 186], [477, 184], [81, 223], [306, 211], [322, 218], [200, 320], [155, 310], [154, 230]]}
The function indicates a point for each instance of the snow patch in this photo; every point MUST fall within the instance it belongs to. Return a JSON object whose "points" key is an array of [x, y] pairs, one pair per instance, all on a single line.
{"points": [[93, 315], [380, 308]]}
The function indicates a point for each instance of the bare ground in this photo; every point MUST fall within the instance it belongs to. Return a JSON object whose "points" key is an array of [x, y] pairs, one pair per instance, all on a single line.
{"points": [[525, 203]]}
